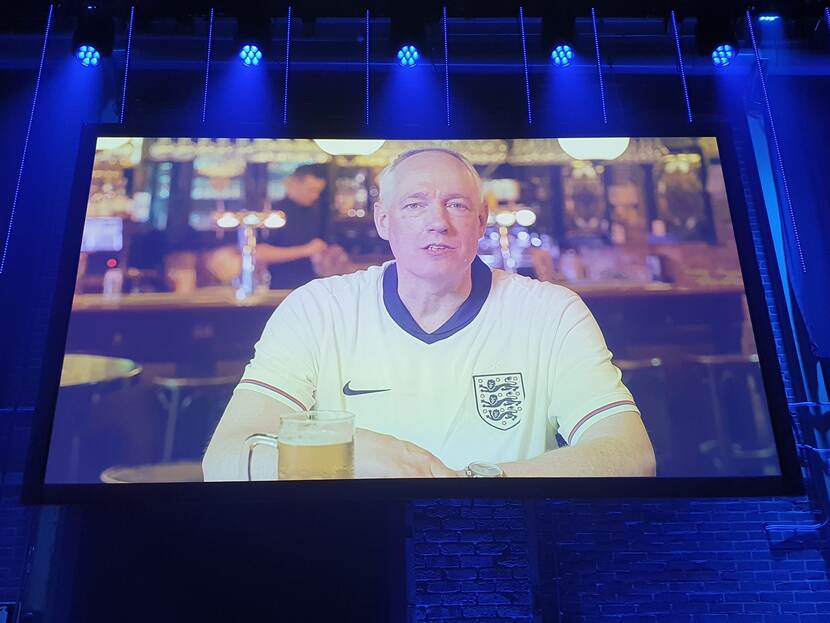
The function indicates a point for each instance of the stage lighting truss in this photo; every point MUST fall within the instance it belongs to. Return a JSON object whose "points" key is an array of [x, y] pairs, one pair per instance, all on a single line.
{"points": [[88, 56], [723, 54], [562, 55], [250, 54], [408, 56]]}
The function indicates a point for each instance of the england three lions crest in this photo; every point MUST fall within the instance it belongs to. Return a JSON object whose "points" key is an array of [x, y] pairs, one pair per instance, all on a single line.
{"points": [[500, 398]]}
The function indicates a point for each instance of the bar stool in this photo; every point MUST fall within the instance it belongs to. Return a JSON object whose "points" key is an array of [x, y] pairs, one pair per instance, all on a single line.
{"points": [[177, 394], [84, 380], [646, 380], [743, 443]]}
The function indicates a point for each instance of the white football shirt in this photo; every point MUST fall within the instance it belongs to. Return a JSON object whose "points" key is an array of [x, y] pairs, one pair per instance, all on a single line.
{"points": [[519, 355]]}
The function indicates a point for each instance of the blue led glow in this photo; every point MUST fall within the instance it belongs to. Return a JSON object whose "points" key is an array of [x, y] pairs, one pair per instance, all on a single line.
{"points": [[446, 69], [524, 62], [408, 56], [16, 195], [768, 17], [127, 64], [774, 135], [88, 56], [287, 62], [723, 55], [250, 54], [682, 67], [599, 66], [562, 55]]}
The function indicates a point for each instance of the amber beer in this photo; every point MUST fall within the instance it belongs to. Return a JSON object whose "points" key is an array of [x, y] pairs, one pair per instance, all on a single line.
{"points": [[315, 461], [310, 445]]}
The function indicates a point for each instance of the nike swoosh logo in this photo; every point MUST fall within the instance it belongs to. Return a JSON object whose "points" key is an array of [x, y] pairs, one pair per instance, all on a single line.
{"points": [[357, 392]]}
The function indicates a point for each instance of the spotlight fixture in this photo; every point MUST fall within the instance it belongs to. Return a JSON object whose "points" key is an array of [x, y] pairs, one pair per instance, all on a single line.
{"points": [[715, 35], [559, 33], [408, 56], [88, 55], [766, 18], [93, 36], [562, 55], [250, 55], [408, 30], [723, 55], [253, 35]]}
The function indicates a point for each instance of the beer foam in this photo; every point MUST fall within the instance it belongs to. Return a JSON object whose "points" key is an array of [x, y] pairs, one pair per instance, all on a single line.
{"points": [[317, 437]]}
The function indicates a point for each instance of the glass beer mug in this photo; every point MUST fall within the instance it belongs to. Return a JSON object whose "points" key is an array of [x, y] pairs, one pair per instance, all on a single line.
{"points": [[311, 445]]}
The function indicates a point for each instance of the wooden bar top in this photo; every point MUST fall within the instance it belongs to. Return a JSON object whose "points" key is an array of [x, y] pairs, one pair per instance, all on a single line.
{"points": [[223, 297]]}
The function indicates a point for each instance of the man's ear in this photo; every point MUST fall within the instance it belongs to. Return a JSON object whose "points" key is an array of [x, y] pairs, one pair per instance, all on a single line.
{"points": [[381, 220], [483, 213]]}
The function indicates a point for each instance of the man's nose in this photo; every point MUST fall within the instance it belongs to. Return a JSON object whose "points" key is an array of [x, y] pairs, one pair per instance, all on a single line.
{"points": [[437, 218]]}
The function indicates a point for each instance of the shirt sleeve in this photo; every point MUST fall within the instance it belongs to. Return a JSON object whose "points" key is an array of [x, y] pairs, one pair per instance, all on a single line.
{"points": [[586, 386], [285, 363]]}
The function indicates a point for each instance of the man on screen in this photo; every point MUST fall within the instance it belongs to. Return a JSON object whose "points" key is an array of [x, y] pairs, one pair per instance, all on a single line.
{"points": [[451, 368]]}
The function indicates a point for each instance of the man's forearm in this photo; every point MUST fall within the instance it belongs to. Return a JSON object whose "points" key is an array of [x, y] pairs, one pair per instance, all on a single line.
{"points": [[604, 456], [269, 254], [247, 413]]}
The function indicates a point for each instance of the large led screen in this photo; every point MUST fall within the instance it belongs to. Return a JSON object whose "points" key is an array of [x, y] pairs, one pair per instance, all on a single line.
{"points": [[297, 309]]}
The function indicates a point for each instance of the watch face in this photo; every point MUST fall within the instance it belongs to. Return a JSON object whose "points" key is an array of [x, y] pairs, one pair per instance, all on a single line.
{"points": [[485, 470]]}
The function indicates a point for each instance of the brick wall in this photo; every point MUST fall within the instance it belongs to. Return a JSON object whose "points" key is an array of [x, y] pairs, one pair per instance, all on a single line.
{"points": [[643, 561], [468, 561], [15, 520], [14, 533]]}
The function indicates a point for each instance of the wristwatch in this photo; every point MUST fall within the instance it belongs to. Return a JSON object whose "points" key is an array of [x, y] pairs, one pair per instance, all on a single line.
{"points": [[482, 469]]}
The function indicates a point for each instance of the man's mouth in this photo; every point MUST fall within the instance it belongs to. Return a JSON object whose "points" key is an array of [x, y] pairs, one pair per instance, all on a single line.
{"points": [[437, 247]]}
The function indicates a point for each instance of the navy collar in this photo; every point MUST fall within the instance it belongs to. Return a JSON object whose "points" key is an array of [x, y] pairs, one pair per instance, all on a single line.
{"points": [[482, 278]]}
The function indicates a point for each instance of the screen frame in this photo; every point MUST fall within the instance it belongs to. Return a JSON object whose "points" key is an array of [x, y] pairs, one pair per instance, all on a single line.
{"points": [[37, 491]]}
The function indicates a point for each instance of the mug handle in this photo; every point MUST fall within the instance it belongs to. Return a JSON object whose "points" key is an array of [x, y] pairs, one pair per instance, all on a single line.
{"points": [[252, 442]]}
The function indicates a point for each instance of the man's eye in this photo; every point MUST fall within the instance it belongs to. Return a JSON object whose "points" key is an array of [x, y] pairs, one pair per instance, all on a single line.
{"points": [[458, 205], [411, 206]]}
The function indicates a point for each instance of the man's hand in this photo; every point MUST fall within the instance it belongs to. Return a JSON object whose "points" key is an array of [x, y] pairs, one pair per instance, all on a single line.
{"points": [[315, 246], [383, 456], [331, 261]]}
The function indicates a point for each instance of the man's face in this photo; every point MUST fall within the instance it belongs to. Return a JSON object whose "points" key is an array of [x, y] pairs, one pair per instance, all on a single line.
{"points": [[304, 190], [432, 216]]}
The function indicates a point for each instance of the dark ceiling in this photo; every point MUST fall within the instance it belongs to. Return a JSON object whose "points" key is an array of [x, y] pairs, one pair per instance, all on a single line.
{"points": [[23, 15]]}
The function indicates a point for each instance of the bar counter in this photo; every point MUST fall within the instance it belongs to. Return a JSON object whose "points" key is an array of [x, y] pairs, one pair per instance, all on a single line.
{"points": [[208, 325], [223, 297]]}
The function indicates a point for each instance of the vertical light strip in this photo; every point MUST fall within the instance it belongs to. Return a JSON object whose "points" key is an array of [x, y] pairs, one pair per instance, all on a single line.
{"points": [[524, 60], [127, 63], [682, 67], [287, 52], [367, 66], [827, 17], [446, 68], [780, 161], [599, 66], [207, 66], [26, 141]]}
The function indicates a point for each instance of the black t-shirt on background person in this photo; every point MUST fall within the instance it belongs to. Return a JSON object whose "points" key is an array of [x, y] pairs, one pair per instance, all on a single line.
{"points": [[302, 225]]}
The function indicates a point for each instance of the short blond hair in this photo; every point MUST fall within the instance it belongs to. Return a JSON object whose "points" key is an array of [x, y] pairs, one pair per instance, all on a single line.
{"points": [[389, 171]]}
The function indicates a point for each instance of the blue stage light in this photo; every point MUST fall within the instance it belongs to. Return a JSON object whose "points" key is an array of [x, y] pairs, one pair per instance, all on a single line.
{"points": [[408, 56], [768, 17], [88, 55], [250, 54], [723, 55], [562, 55]]}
